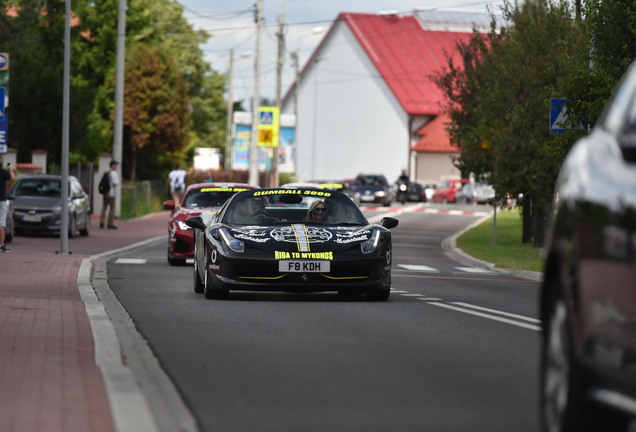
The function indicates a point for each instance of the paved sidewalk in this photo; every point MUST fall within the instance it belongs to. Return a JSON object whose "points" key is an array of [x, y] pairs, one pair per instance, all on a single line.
{"points": [[49, 379]]}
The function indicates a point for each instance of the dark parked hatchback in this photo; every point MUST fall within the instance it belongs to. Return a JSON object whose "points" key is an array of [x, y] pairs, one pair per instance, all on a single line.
{"points": [[37, 205], [588, 297]]}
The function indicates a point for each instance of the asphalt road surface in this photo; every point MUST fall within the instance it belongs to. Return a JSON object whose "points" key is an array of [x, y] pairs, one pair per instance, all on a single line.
{"points": [[454, 349]]}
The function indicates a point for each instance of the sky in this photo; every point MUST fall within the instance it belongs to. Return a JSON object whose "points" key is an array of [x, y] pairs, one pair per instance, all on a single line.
{"points": [[231, 24]]}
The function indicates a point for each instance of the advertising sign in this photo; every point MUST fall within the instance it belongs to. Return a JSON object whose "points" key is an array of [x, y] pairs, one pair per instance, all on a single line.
{"points": [[287, 150], [268, 126], [242, 143]]}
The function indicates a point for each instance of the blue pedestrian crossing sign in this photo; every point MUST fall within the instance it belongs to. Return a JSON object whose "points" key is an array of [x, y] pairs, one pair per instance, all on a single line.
{"points": [[559, 117]]}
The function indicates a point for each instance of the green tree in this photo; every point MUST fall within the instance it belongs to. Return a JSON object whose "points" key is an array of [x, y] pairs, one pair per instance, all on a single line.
{"points": [[500, 103]]}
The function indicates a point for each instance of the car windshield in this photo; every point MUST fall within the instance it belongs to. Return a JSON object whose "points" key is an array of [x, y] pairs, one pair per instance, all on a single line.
{"points": [[281, 206], [209, 196], [38, 188], [371, 180]]}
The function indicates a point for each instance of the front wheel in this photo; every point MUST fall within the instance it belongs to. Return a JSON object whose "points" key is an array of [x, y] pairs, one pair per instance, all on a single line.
{"points": [[565, 406], [87, 225], [72, 226], [211, 289]]}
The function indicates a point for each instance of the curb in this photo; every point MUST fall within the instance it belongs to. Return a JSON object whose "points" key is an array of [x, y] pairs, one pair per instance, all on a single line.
{"points": [[449, 246], [141, 395]]}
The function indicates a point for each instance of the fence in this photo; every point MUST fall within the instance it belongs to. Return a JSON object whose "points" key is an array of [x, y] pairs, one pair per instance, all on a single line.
{"points": [[142, 198]]}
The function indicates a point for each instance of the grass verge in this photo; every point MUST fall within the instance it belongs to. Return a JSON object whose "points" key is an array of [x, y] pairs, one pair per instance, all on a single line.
{"points": [[508, 253]]}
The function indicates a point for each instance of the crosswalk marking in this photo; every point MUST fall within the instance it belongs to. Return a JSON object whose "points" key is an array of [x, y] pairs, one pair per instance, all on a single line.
{"points": [[475, 270], [414, 267], [131, 261]]}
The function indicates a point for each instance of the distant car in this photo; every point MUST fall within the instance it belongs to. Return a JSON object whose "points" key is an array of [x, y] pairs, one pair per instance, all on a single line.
{"points": [[279, 249], [415, 192], [8, 229], [484, 193], [466, 194], [429, 190], [348, 187], [196, 199], [588, 293], [374, 189], [446, 190], [37, 205], [302, 185]]}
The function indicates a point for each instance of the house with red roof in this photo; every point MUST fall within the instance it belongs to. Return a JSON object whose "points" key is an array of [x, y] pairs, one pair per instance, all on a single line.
{"points": [[367, 104]]}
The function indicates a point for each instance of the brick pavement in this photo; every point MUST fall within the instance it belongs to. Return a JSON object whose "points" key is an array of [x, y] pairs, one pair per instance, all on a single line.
{"points": [[49, 379]]}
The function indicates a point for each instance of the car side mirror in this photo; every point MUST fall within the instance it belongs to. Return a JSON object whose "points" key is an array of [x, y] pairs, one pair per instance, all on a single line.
{"points": [[388, 222], [627, 143], [169, 205], [196, 222]]}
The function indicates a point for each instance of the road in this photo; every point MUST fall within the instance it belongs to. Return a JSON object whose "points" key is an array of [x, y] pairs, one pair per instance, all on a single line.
{"points": [[454, 348]]}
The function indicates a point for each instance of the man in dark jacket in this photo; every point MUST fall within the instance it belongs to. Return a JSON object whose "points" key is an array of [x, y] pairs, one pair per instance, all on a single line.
{"points": [[5, 175]]}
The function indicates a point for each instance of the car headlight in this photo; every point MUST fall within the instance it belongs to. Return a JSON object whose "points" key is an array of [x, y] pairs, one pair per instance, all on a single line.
{"points": [[371, 244], [379, 193], [234, 244], [57, 209], [182, 226]]}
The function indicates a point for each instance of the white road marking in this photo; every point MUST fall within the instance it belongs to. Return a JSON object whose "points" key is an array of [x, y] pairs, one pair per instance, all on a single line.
{"points": [[397, 292], [429, 298], [521, 317], [475, 270], [131, 261], [422, 268], [411, 295], [492, 317]]}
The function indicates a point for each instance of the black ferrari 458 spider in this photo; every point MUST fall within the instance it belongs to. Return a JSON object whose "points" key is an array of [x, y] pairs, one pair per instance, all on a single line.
{"points": [[291, 240]]}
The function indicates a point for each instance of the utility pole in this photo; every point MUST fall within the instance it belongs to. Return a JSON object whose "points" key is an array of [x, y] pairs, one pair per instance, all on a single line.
{"points": [[279, 73], [254, 177], [118, 133], [229, 153], [65, 130], [296, 58]]}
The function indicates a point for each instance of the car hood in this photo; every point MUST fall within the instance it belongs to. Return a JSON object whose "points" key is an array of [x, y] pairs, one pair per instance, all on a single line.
{"points": [[187, 212], [34, 202], [303, 238]]}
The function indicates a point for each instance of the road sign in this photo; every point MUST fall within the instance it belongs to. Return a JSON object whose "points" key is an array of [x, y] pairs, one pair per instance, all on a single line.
{"points": [[559, 116], [268, 126], [4, 61], [2, 94], [4, 134]]}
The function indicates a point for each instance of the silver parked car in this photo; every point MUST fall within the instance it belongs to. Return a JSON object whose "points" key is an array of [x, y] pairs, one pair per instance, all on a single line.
{"points": [[37, 205]]}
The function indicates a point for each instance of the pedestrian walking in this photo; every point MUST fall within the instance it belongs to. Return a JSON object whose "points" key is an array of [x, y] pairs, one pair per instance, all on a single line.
{"points": [[5, 175], [176, 178], [109, 194]]}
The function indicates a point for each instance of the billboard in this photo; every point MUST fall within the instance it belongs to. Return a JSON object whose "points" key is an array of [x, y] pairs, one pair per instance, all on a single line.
{"points": [[286, 148], [242, 143]]}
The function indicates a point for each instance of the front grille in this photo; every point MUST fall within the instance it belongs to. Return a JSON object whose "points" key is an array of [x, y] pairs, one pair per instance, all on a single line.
{"points": [[181, 246], [26, 211], [267, 271]]}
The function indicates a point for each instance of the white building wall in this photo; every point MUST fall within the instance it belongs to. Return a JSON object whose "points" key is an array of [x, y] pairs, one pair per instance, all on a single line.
{"points": [[349, 121], [433, 167]]}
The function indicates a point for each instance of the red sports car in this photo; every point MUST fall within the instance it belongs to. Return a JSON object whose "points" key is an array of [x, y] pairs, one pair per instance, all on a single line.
{"points": [[197, 198]]}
